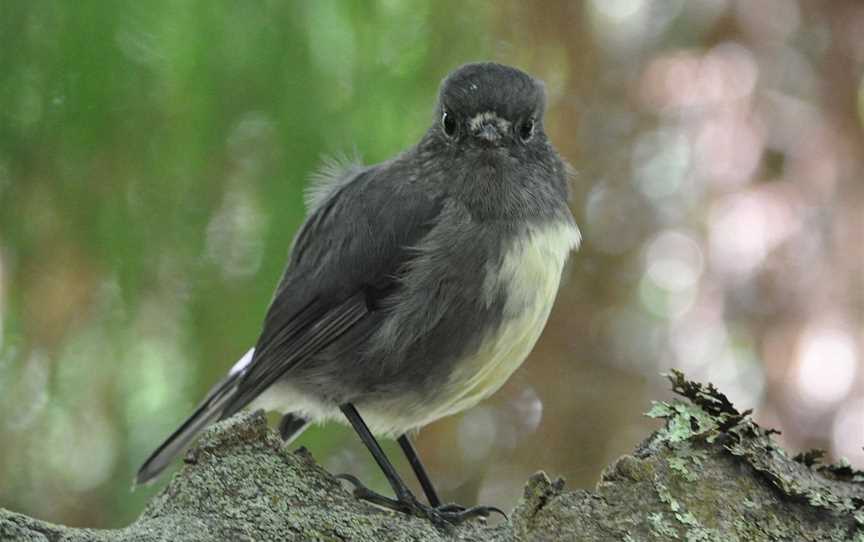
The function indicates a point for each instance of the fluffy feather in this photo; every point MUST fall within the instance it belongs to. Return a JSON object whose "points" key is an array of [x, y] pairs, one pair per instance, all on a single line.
{"points": [[334, 172]]}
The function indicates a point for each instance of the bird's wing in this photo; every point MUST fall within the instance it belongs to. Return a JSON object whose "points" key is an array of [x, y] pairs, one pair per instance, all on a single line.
{"points": [[346, 258]]}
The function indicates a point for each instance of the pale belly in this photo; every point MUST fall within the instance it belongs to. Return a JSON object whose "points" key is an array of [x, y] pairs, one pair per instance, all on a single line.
{"points": [[531, 274]]}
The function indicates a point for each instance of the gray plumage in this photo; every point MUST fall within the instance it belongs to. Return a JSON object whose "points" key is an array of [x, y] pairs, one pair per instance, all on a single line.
{"points": [[415, 286]]}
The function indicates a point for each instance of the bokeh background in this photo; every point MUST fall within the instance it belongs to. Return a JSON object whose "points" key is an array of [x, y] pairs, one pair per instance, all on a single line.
{"points": [[153, 157]]}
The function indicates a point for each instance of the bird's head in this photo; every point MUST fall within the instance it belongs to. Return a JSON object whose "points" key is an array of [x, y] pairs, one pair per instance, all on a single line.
{"points": [[488, 106]]}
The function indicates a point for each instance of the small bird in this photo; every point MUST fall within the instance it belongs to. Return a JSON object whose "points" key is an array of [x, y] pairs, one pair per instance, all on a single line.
{"points": [[415, 287]]}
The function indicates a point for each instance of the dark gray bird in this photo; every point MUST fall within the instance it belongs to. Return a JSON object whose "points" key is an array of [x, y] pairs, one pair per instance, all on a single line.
{"points": [[415, 287]]}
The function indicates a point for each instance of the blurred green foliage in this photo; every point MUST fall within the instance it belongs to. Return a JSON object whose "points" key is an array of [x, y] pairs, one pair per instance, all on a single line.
{"points": [[153, 157]]}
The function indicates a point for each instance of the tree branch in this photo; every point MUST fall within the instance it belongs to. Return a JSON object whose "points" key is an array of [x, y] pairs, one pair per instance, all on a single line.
{"points": [[709, 474]]}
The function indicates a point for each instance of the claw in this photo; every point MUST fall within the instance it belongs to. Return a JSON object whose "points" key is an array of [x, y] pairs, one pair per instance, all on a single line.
{"points": [[444, 516], [362, 492], [474, 511], [350, 478]]}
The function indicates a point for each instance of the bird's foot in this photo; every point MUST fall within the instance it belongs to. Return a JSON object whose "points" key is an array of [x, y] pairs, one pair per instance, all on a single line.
{"points": [[446, 515], [473, 511]]}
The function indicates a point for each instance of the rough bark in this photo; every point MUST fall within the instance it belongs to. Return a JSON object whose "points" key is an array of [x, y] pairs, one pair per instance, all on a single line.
{"points": [[709, 474]]}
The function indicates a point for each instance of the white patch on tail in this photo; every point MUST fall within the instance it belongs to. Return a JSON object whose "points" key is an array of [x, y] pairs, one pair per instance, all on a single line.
{"points": [[242, 363]]}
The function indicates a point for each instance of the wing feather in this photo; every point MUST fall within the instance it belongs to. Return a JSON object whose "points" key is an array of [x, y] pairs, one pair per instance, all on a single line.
{"points": [[294, 344], [347, 257]]}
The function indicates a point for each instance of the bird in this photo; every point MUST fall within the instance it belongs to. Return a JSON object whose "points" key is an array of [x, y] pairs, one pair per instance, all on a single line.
{"points": [[414, 287]]}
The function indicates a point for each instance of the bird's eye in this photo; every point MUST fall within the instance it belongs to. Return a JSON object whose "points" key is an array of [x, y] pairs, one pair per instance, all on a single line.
{"points": [[526, 129], [449, 124]]}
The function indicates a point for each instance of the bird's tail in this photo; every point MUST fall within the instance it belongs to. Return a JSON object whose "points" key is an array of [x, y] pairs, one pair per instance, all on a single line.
{"points": [[210, 410]]}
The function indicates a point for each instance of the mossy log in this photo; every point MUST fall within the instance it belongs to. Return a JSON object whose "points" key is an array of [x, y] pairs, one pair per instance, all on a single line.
{"points": [[710, 474]]}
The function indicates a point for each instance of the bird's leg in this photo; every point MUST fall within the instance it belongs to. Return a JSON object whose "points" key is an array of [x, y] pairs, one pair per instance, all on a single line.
{"points": [[405, 500], [419, 471], [403, 494], [429, 489]]}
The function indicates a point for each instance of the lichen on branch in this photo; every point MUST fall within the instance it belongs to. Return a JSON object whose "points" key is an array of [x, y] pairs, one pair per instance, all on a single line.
{"points": [[709, 473]]}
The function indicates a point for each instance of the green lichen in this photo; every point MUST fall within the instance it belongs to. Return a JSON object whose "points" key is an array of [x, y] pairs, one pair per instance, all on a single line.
{"points": [[695, 531], [843, 470], [687, 519], [705, 535], [679, 465], [665, 496], [684, 421], [661, 527]]}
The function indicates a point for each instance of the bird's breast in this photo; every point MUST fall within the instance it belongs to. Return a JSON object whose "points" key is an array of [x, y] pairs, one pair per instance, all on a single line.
{"points": [[527, 276]]}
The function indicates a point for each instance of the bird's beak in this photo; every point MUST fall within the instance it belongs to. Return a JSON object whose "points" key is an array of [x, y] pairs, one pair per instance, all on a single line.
{"points": [[488, 128], [488, 131]]}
